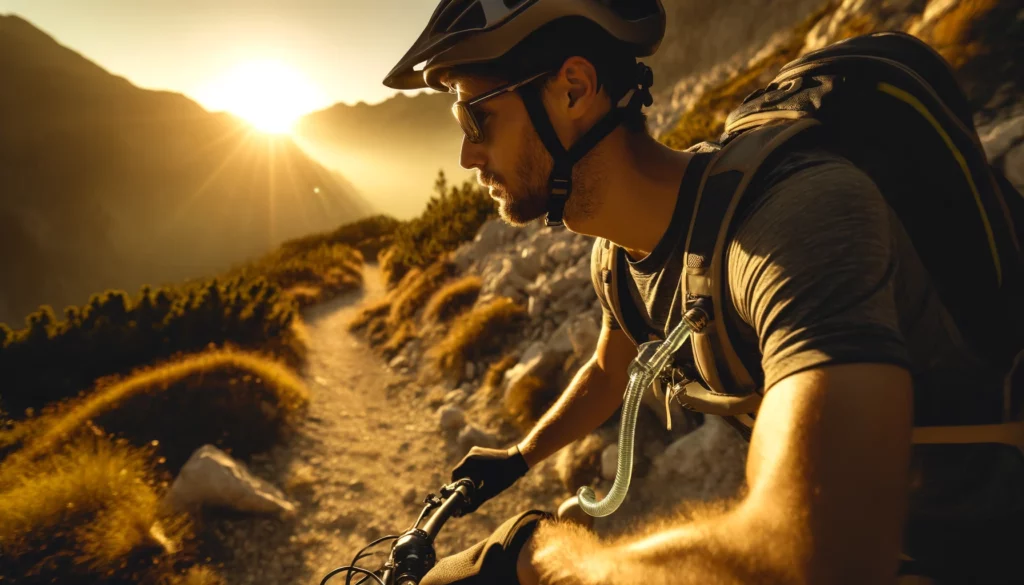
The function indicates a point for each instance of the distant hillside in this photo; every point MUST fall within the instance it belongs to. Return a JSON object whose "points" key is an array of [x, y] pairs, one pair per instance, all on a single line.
{"points": [[392, 149], [106, 185]]}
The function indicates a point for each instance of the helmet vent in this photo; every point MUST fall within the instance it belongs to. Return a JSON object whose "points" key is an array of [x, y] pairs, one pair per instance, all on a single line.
{"points": [[511, 4], [470, 18]]}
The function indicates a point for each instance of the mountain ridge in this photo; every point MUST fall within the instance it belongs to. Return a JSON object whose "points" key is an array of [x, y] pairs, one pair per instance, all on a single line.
{"points": [[107, 185]]}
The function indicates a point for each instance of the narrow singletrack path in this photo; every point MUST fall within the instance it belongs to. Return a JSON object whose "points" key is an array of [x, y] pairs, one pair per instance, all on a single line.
{"points": [[358, 467]]}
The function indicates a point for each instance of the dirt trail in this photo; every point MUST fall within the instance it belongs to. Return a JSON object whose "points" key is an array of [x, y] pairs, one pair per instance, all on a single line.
{"points": [[358, 468]]}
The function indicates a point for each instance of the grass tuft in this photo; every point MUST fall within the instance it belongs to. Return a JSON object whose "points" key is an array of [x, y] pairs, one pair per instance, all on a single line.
{"points": [[452, 299], [476, 334], [241, 402], [89, 513]]}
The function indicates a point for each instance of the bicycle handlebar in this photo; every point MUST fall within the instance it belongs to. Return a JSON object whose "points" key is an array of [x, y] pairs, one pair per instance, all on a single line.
{"points": [[412, 554]]}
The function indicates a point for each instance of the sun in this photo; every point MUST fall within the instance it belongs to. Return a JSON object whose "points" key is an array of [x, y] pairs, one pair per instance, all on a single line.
{"points": [[269, 94]]}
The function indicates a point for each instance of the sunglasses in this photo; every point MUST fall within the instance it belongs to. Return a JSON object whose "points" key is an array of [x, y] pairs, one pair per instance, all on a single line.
{"points": [[467, 117]]}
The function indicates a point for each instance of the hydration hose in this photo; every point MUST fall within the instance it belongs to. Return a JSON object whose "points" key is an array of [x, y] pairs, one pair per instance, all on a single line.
{"points": [[652, 358]]}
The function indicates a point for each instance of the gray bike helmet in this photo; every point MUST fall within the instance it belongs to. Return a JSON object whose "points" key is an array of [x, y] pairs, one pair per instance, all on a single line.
{"points": [[462, 32]]}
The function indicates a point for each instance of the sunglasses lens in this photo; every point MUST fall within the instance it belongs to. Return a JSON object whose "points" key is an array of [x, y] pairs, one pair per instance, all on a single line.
{"points": [[468, 123]]}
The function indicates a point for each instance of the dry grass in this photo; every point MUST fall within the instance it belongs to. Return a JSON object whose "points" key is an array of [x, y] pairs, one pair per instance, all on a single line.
{"points": [[951, 35], [452, 299], [391, 322], [195, 576], [706, 121], [529, 398], [89, 513], [495, 376], [240, 401], [370, 312], [476, 334]]}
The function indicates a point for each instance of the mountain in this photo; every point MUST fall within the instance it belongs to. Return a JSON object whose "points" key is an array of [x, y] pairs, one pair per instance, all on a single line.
{"points": [[106, 185], [392, 149]]}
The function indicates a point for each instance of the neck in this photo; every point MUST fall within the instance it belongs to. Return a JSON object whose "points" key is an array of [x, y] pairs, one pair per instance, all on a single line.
{"points": [[636, 194]]}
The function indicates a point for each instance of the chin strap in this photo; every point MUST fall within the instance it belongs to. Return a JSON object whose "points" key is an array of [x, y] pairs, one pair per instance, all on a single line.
{"points": [[560, 180]]}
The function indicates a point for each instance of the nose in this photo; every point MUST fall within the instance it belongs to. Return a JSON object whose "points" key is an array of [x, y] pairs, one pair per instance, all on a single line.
{"points": [[473, 156]]}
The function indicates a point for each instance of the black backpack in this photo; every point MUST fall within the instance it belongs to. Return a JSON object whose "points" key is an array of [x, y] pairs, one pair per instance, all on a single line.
{"points": [[890, 104]]}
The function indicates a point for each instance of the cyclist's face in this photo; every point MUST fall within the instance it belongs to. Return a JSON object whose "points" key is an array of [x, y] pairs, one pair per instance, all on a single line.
{"points": [[511, 161]]}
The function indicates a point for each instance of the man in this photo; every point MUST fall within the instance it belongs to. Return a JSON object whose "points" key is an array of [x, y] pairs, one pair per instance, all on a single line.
{"points": [[820, 274]]}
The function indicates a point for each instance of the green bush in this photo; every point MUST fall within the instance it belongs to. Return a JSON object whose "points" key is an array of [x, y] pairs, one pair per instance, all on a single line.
{"points": [[452, 216]]}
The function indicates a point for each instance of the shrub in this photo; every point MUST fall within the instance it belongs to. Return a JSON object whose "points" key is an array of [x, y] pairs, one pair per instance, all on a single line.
{"points": [[496, 373], [391, 322], [476, 334], [451, 217], [113, 334], [452, 299], [90, 513], [238, 401]]}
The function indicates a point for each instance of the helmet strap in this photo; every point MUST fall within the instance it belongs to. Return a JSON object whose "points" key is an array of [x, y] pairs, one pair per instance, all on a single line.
{"points": [[560, 180]]}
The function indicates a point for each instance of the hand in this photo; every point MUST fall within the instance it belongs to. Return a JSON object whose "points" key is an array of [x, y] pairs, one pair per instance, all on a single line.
{"points": [[492, 471]]}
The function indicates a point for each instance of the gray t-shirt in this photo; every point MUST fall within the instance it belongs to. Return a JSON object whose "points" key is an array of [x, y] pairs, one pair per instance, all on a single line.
{"points": [[820, 271]]}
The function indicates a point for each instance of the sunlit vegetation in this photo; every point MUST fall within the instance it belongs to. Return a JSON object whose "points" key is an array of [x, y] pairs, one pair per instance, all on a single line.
{"points": [[113, 334], [92, 513], [706, 120], [452, 217], [244, 403], [476, 334], [452, 299], [392, 322]]}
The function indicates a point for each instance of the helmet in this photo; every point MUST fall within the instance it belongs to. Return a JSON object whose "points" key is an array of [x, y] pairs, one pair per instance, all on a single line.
{"points": [[474, 31], [461, 32]]}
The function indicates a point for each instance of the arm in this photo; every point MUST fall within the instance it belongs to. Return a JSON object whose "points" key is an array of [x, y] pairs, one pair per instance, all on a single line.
{"points": [[812, 272], [590, 399]]}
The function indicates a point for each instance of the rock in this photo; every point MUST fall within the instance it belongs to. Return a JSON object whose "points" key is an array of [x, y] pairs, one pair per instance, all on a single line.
{"points": [[609, 461], [534, 307], [470, 370], [1013, 166], [356, 485], [399, 361], [1002, 136], [473, 436], [583, 333], [455, 397], [451, 418], [708, 463], [211, 477], [528, 263], [536, 361], [571, 279], [579, 463], [560, 343], [560, 253], [410, 495], [491, 236], [582, 247]]}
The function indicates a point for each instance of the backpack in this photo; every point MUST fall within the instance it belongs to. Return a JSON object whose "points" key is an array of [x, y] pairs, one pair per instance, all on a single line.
{"points": [[874, 99]]}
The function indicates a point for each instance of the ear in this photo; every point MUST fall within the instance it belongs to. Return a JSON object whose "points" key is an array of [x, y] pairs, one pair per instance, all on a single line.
{"points": [[575, 93]]}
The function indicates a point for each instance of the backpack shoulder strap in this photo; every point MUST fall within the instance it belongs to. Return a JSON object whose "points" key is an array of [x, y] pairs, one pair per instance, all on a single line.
{"points": [[610, 272], [731, 389]]}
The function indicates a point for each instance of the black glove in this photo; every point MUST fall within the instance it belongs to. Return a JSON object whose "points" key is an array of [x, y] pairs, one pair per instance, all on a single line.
{"points": [[491, 561], [491, 471]]}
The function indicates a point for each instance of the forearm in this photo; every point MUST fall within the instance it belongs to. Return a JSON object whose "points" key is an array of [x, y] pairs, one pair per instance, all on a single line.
{"points": [[586, 403], [718, 548]]}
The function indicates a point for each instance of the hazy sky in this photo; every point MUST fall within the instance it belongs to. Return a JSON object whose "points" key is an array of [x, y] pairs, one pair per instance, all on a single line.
{"points": [[344, 47]]}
